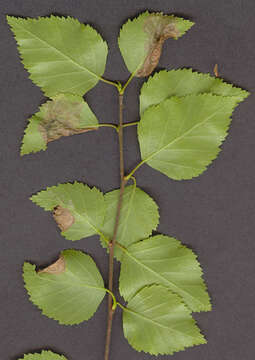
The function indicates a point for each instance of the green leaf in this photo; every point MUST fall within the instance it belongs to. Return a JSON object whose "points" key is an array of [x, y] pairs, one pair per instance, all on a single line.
{"points": [[63, 116], [141, 39], [44, 355], [164, 261], [180, 137], [69, 291], [61, 54], [182, 82], [78, 210], [157, 322], [139, 216]]}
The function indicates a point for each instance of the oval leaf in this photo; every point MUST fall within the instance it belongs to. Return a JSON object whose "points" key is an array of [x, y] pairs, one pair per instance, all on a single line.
{"points": [[138, 218], [141, 40], [157, 322], [164, 261], [78, 210], [64, 115], [182, 82], [180, 137], [44, 355], [61, 54], [69, 291]]}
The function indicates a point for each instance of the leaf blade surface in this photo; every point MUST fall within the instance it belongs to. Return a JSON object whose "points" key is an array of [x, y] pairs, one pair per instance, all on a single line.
{"points": [[138, 218], [180, 137], [157, 322], [182, 82], [44, 355], [164, 261], [61, 54]]}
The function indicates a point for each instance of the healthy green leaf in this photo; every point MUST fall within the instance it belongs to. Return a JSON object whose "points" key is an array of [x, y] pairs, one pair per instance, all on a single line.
{"points": [[180, 137], [157, 322], [44, 355], [78, 210], [61, 54], [164, 261], [69, 291], [63, 116], [182, 82], [139, 216], [141, 39]]}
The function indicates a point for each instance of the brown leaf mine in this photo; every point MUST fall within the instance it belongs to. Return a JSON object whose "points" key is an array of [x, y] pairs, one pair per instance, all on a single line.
{"points": [[63, 218], [56, 268], [61, 117], [159, 28]]}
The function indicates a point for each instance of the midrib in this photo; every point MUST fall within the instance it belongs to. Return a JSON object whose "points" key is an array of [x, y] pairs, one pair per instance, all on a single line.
{"points": [[160, 276], [155, 322], [179, 137]]}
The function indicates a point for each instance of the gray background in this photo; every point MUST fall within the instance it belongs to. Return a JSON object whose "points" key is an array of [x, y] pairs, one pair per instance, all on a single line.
{"points": [[213, 214]]}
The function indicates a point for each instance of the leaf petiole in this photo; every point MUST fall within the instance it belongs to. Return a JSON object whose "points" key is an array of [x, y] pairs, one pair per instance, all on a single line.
{"points": [[109, 82], [122, 90], [127, 177], [114, 305], [131, 124], [115, 127], [121, 306]]}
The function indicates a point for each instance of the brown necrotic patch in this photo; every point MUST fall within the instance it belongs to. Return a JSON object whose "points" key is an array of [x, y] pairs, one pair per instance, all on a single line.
{"points": [[61, 117], [159, 28], [63, 218], [57, 267]]}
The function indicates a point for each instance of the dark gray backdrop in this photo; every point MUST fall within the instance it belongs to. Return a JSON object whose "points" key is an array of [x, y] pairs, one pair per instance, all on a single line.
{"points": [[213, 214]]}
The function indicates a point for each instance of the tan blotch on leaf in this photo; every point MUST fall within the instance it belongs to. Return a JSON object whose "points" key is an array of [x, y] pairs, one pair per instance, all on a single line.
{"points": [[159, 28], [63, 218], [62, 132], [61, 117], [57, 267]]}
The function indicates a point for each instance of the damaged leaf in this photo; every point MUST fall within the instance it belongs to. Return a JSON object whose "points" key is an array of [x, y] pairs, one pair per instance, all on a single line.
{"points": [[157, 322], [78, 210], [69, 290], [64, 115], [44, 355], [61, 54], [141, 40]]}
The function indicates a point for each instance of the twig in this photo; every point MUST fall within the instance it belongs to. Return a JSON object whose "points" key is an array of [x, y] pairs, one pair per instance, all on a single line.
{"points": [[113, 240]]}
